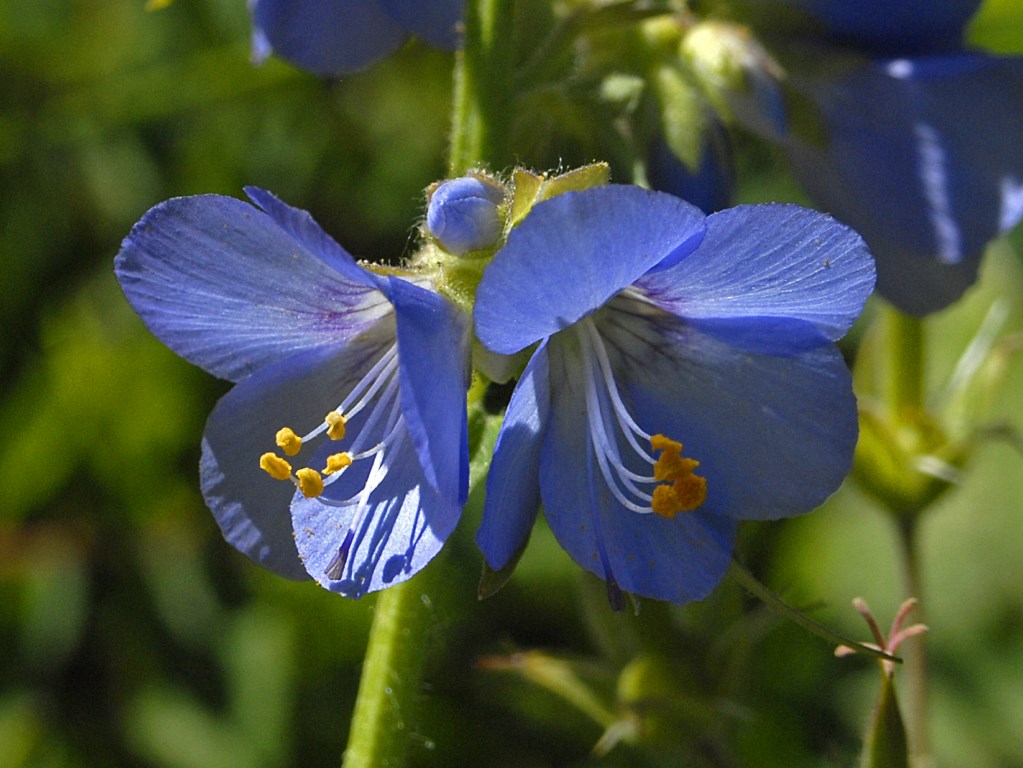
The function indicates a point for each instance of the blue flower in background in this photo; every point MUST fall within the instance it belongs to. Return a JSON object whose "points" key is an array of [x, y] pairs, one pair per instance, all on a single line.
{"points": [[371, 368], [709, 186], [906, 137], [330, 37], [900, 27], [923, 157], [685, 377]]}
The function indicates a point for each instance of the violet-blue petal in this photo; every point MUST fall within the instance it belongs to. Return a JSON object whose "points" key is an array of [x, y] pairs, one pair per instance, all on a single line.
{"points": [[513, 483], [326, 37], [250, 506], [311, 237], [923, 158], [572, 253], [774, 435], [676, 560], [435, 21], [904, 27], [767, 264], [224, 286], [433, 346], [404, 527]]}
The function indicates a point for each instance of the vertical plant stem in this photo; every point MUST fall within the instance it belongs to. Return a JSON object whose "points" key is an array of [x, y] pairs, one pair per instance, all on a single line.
{"points": [[917, 698], [905, 339], [483, 87], [391, 678], [391, 674]]}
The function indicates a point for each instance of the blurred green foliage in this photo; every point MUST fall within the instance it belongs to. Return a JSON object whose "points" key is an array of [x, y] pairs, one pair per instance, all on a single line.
{"points": [[132, 635]]}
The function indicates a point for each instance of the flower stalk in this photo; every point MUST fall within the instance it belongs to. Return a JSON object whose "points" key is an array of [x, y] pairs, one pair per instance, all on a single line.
{"points": [[389, 688]]}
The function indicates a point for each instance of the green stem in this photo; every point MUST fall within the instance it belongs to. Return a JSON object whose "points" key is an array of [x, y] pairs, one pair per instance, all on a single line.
{"points": [[391, 678], [755, 587], [483, 87], [917, 698], [391, 675], [905, 338]]}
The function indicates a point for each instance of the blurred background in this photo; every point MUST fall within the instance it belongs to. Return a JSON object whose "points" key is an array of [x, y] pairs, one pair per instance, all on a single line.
{"points": [[132, 635]]}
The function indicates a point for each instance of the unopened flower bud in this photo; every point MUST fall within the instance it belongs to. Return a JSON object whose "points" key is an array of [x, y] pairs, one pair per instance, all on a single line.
{"points": [[463, 214]]}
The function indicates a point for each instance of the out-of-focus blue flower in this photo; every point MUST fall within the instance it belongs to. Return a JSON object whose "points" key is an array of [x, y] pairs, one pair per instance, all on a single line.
{"points": [[894, 27], [685, 378], [709, 186], [371, 368], [330, 37], [924, 157], [463, 214]]}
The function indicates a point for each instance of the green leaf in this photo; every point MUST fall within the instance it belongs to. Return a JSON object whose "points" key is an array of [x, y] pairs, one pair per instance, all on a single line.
{"points": [[885, 743]]}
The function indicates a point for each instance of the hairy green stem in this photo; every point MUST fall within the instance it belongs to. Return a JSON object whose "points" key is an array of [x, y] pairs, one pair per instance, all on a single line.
{"points": [[483, 87], [391, 674]]}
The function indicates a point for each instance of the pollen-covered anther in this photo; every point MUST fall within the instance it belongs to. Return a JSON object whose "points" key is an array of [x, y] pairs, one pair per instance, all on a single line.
{"points": [[336, 462], [336, 425], [686, 491], [275, 466], [310, 482], [288, 441]]}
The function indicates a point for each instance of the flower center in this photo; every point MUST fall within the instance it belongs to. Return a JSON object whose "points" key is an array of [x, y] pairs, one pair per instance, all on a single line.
{"points": [[669, 486], [376, 394]]}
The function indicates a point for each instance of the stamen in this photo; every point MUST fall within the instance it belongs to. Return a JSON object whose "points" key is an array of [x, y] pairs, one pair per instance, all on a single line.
{"points": [[288, 441], [309, 482], [673, 486], [336, 424], [275, 466], [336, 462]]}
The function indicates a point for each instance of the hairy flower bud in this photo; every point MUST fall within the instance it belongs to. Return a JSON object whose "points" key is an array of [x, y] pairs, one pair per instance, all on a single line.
{"points": [[464, 215]]}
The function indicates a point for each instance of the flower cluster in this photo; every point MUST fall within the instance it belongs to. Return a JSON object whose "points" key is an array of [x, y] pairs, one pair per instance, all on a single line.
{"points": [[683, 376]]}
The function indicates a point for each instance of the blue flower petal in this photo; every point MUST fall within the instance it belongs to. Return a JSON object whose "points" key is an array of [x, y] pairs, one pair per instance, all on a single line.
{"points": [[762, 266], [572, 253], [513, 484], [326, 37], [435, 21], [774, 435], [923, 158], [311, 237], [676, 560], [251, 507], [895, 26], [433, 346], [221, 284], [404, 527]]}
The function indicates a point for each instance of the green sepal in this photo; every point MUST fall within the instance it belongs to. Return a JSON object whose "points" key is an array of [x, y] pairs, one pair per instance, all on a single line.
{"points": [[885, 745], [491, 581], [531, 188]]}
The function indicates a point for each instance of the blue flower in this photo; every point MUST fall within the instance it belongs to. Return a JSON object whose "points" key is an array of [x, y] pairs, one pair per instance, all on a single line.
{"points": [[370, 369], [685, 377], [902, 27], [923, 157], [330, 37]]}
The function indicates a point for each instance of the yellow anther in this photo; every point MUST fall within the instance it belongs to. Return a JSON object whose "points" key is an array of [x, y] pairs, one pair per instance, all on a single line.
{"points": [[662, 443], [336, 462], [309, 482], [335, 425], [275, 466], [687, 491], [288, 441]]}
